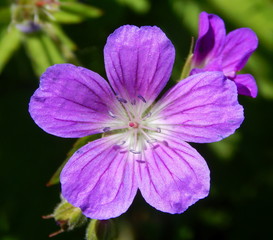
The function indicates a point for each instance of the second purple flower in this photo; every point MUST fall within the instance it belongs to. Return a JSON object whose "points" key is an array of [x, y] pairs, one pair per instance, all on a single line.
{"points": [[216, 51]]}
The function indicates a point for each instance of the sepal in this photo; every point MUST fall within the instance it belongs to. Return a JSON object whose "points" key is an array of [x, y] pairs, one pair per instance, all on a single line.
{"points": [[188, 63]]}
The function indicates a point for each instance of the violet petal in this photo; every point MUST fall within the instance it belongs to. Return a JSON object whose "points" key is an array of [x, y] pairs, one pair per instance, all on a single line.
{"points": [[246, 85], [211, 38], [138, 61], [71, 101], [99, 179], [174, 177], [202, 108], [239, 45]]}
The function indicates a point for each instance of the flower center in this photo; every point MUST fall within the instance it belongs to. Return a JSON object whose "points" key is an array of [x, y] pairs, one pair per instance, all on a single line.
{"points": [[131, 126]]}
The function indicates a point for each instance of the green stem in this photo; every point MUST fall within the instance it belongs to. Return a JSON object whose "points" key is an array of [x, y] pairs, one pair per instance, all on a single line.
{"points": [[187, 66]]}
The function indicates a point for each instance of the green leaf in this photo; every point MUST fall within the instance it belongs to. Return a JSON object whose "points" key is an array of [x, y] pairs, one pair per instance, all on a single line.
{"points": [[43, 52], [187, 12], [54, 53], [37, 53], [66, 17], [66, 45], [62, 37], [80, 9], [5, 15], [139, 6], [78, 144], [255, 14], [64, 1], [9, 42], [75, 12]]}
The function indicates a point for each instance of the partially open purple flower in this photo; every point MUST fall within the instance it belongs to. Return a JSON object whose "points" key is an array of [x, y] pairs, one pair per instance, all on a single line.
{"points": [[216, 51], [143, 146]]}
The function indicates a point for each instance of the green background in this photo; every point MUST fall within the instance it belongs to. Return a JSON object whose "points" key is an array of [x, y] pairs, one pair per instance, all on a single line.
{"points": [[239, 205]]}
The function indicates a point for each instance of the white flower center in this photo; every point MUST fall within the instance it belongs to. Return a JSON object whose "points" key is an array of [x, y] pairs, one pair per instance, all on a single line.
{"points": [[132, 127]]}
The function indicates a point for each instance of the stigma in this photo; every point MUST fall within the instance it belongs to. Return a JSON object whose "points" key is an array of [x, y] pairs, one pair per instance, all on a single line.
{"points": [[132, 128], [133, 124]]}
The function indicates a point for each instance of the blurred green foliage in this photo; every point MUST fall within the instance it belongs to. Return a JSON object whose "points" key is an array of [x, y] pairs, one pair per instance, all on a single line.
{"points": [[239, 204], [35, 24]]}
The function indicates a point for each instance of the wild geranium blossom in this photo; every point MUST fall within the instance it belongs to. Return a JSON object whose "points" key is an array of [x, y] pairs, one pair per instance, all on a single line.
{"points": [[216, 51], [143, 146]]}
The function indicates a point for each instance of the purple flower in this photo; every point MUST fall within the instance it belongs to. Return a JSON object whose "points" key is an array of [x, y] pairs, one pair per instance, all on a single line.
{"points": [[143, 146], [28, 27], [216, 51]]}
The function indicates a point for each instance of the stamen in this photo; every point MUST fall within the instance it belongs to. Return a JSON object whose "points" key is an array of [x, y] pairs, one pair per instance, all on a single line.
{"points": [[152, 140], [133, 102], [141, 98], [148, 138], [152, 129], [115, 127], [123, 151], [141, 161], [121, 143], [134, 151], [116, 147], [125, 107], [122, 100], [165, 143], [106, 129], [149, 114], [111, 114], [156, 146]]}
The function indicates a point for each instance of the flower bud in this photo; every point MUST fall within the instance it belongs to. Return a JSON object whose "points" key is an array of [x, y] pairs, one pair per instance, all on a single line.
{"points": [[67, 217]]}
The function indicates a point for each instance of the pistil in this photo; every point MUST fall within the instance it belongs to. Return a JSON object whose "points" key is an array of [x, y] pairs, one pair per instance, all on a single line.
{"points": [[133, 124]]}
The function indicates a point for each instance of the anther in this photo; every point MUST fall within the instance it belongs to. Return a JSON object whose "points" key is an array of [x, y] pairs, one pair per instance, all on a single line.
{"points": [[134, 151], [165, 143], [141, 98], [152, 140], [106, 129], [123, 151], [133, 102], [156, 146], [158, 130], [121, 143], [141, 161], [122, 100], [111, 114], [116, 147]]}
